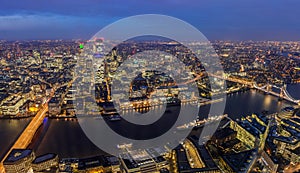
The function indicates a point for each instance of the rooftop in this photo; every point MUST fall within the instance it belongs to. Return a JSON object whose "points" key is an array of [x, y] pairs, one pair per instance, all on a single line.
{"points": [[262, 117], [250, 128], [90, 162], [44, 158], [12, 100], [223, 133], [240, 162], [205, 156], [17, 154], [289, 108], [136, 158]]}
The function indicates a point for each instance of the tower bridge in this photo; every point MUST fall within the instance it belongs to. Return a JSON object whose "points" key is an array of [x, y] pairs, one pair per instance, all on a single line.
{"points": [[283, 94]]}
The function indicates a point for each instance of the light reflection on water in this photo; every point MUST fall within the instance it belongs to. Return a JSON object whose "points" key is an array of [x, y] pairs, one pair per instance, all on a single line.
{"points": [[67, 138]]}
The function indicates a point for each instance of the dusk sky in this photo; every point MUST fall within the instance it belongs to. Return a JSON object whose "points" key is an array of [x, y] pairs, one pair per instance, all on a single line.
{"points": [[216, 19]]}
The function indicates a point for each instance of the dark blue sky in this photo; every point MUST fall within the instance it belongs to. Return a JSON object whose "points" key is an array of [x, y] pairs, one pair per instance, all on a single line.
{"points": [[216, 19]]}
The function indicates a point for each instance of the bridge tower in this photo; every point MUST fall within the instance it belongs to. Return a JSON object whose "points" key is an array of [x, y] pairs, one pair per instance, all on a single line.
{"points": [[269, 87], [282, 91]]}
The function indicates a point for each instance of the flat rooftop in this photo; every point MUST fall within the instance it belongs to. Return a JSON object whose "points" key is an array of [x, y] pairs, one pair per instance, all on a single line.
{"points": [[44, 158], [17, 154]]}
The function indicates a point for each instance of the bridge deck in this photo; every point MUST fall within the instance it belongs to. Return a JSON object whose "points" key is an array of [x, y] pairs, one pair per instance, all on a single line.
{"points": [[26, 136]]}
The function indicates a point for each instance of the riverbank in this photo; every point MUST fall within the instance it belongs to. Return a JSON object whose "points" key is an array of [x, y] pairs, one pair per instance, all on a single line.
{"points": [[65, 137]]}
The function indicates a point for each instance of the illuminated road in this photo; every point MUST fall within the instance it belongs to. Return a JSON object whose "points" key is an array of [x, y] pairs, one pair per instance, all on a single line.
{"points": [[27, 135], [193, 156], [241, 81], [25, 138], [292, 168]]}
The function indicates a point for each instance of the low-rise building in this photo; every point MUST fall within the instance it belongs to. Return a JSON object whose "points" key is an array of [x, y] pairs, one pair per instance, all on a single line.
{"points": [[45, 162], [19, 161], [286, 112], [143, 161], [11, 106], [184, 162]]}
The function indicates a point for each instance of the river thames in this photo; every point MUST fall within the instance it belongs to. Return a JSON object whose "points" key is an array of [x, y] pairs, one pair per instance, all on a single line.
{"points": [[66, 138]]}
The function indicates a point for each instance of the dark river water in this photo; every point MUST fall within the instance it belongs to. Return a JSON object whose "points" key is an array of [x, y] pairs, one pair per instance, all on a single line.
{"points": [[66, 138], [294, 91], [9, 132]]}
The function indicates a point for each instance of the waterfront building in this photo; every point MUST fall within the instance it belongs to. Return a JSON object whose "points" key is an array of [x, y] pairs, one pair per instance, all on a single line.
{"points": [[99, 163], [19, 161], [24, 160], [68, 164], [286, 112], [90, 164], [54, 106], [11, 105], [111, 164], [143, 161], [45, 163]]}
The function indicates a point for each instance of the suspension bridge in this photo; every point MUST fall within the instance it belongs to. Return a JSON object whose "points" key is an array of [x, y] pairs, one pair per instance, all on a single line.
{"points": [[268, 88], [283, 94]]}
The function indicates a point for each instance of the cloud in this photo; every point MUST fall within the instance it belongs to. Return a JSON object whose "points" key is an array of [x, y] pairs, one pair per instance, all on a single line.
{"points": [[25, 22], [215, 17], [48, 26]]}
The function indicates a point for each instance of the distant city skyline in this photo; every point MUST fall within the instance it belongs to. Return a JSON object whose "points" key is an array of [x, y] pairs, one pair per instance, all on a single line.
{"points": [[216, 19]]}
